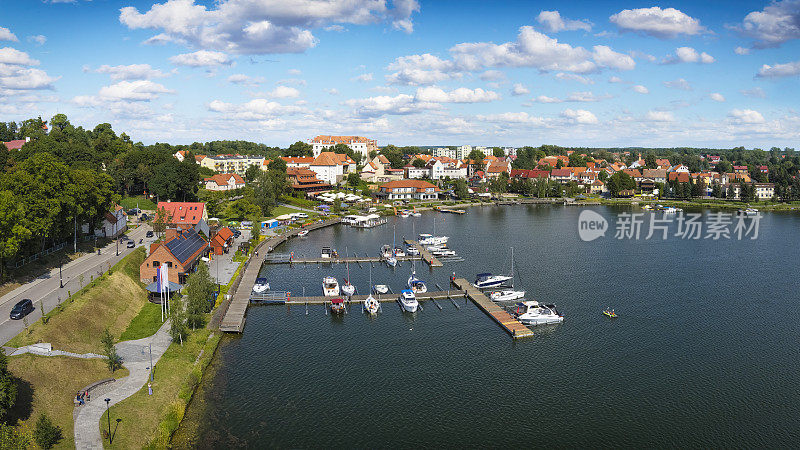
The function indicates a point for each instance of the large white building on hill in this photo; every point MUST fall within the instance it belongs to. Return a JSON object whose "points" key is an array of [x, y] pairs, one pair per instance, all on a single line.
{"points": [[357, 143]]}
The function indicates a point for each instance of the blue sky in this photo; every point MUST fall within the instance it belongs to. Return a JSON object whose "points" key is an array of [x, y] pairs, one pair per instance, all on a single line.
{"points": [[410, 72]]}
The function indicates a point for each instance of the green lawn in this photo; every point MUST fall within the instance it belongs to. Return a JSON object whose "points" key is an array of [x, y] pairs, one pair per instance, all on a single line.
{"points": [[146, 323], [281, 210], [131, 202]]}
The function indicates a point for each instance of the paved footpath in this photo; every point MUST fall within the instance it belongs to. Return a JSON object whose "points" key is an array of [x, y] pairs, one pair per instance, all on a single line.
{"points": [[47, 287], [136, 358]]}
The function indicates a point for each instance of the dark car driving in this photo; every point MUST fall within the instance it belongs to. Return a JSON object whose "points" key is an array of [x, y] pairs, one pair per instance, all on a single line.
{"points": [[21, 309], [149, 234]]}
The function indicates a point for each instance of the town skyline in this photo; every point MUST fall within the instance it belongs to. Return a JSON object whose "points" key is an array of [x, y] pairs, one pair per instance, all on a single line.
{"points": [[410, 73]]}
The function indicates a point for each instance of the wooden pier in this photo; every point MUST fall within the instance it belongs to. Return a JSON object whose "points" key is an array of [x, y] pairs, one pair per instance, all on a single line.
{"points": [[349, 259], [435, 295], [426, 255], [451, 211], [513, 326]]}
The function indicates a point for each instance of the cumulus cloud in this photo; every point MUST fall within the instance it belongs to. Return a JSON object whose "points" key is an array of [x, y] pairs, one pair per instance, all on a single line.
{"points": [[10, 55], [202, 58], [519, 89], [364, 77], [138, 90], [492, 75], [546, 99], [384, 104], [16, 77], [7, 35], [256, 109], [245, 80], [460, 95], [659, 116], [512, 118], [741, 51], [575, 97], [615, 79], [717, 97], [530, 49], [641, 89], [131, 72], [574, 77], [260, 27], [332, 91], [779, 70], [657, 22], [746, 116], [284, 92], [553, 22], [581, 116], [680, 83], [688, 55], [777, 23]]}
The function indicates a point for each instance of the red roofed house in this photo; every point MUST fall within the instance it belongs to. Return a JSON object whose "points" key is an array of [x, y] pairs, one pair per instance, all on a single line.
{"points": [[222, 240], [332, 167], [184, 212], [682, 177], [561, 175], [763, 169], [356, 143], [16, 145], [739, 169], [496, 167], [224, 182], [302, 179], [298, 161], [179, 251], [409, 190], [523, 174]]}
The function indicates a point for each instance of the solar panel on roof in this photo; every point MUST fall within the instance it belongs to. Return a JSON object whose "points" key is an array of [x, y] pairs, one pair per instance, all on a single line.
{"points": [[186, 245]]}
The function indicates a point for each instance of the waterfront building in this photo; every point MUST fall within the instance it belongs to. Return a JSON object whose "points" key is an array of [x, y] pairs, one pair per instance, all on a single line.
{"points": [[409, 190]]}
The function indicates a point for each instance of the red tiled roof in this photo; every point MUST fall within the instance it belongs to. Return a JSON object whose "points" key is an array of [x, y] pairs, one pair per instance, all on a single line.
{"points": [[419, 185], [560, 173], [682, 177], [342, 140], [15, 145], [183, 212], [222, 179], [533, 173], [298, 159]]}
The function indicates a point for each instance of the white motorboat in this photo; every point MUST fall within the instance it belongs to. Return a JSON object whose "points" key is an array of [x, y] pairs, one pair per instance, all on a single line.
{"points": [[416, 214], [443, 252], [670, 210], [487, 280], [506, 295], [391, 261], [404, 214], [380, 289], [327, 253], [386, 251], [347, 288], [416, 285], [429, 239], [536, 314], [261, 286], [413, 251], [330, 287], [747, 212], [408, 301], [303, 233], [398, 251], [371, 305]]}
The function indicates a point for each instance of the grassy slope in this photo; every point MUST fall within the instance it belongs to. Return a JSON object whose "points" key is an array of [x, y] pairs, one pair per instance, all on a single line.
{"points": [[146, 323], [130, 202], [52, 392], [113, 302]]}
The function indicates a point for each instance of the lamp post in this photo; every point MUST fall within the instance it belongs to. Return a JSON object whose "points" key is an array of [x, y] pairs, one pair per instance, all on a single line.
{"points": [[151, 361], [108, 414], [60, 279]]}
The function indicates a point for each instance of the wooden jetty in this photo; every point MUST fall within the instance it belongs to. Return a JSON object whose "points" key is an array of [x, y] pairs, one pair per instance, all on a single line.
{"points": [[451, 211], [233, 321], [426, 255], [319, 300], [349, 259], [513, 326]]}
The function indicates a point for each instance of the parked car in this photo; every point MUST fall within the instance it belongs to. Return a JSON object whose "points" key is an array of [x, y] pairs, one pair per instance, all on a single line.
{"points": [[247, 224], [144, 217], [21, 309], [131, 244], [149, 234], [301, 215], [237, 233]]}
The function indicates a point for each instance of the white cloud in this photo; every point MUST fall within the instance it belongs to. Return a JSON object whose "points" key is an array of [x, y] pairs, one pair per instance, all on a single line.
{"points": [[256, 109], [546, 99], [615, 79], [717, 97], [512, 118], [16, 77], [519, 89], [605, 57], [131, 72], [260, 27], [10, 55], [680, 83], [293, 81], [381, 105], [688, 55], [332, 91], [777, 23], [460, 95], [575, 97], [38, 39], [294, 71], [654, 21], [138, 90], [364, 77], [492, 75], [756, 92], [779, 70], [741, 51], [659, 116], [7, 35], [284, 92], [422, 69], [574, 77], [746, 116], [641, 89], [336, 28], [245, 80], [579, 116], [202, 58], [553, 22]]}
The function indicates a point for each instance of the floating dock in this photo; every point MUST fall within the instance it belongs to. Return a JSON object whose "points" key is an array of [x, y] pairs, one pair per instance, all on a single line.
{"points": [[435, 295], [451, 211], [287, 259], [513, 326], [426, 255]]}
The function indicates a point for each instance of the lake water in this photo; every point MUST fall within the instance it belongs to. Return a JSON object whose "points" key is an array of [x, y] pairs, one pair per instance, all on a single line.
{"points": [[704, 352]]}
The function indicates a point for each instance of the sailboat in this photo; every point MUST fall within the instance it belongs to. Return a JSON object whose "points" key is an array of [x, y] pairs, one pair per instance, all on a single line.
{"points": [[391, 261], [347, 288], [487, 280], [432, 239], [370, 304], [416, 285], [508, 294]]}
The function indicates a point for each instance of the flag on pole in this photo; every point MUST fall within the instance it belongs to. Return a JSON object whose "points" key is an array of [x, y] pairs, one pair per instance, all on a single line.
{"points": [[160, 291], [165, 285]]}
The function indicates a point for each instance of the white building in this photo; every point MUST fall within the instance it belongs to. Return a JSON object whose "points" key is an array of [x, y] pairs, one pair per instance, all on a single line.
{"points": [[115, 222], [444, 151], [409, 190], [463, 151], [237, 164], [332, 167], [224, 182], [510, 151], [358, 144]]}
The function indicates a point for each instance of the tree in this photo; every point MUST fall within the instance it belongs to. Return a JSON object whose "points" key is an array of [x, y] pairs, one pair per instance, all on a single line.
{"points": [[252, 172], [620, 181], [13, 233], [161, 220], [353, 179], [650, 161], [299, 148], [346, 150], [499, 184], [177, 319], [476, 155], [498, 152], [418, 163], [13, 437], [270, 186], [577, 160], [113, 360], [394, 155], [460, 189], [602, 176], [46, 434], [242, 209], [198, 290], [8, 389]]}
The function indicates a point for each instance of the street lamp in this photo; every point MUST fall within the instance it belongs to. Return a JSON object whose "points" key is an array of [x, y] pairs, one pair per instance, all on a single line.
{"points": [[60, 279], [108, 414]]}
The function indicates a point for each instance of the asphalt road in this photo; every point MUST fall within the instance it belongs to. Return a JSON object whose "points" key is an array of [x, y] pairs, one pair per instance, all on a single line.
{"points": [[47, 288]]}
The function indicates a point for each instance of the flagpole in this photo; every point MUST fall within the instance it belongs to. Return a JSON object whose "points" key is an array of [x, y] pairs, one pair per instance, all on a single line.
{"points": [[160, 292]]}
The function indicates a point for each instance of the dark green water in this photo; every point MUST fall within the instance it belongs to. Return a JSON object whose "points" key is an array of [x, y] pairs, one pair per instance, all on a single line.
{"points": [[704, 353]]}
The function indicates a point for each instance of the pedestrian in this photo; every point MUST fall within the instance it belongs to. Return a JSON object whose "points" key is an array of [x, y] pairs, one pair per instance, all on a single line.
{"points": [[80, 399], [88, 397]]}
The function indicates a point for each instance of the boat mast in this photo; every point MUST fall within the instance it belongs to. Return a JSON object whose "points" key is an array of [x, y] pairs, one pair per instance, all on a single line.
{"points": [[512, 268]]}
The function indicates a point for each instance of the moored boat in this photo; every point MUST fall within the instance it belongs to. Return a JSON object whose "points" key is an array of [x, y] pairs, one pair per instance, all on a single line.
{"points": [[487, 280], [416, 285], [371, 305], [261, 286], [380, 289], [408, 301], [330, 287], [337, 306], [536, 314], [506, 295], [303, 233]]}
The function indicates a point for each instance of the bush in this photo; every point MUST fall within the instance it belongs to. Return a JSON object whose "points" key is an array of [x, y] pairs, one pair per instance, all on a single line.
{"points": [[47, 434], [113, 360]]}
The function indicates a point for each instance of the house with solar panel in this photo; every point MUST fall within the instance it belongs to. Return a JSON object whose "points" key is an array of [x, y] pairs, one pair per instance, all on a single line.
{"points": [[180, 251]]}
